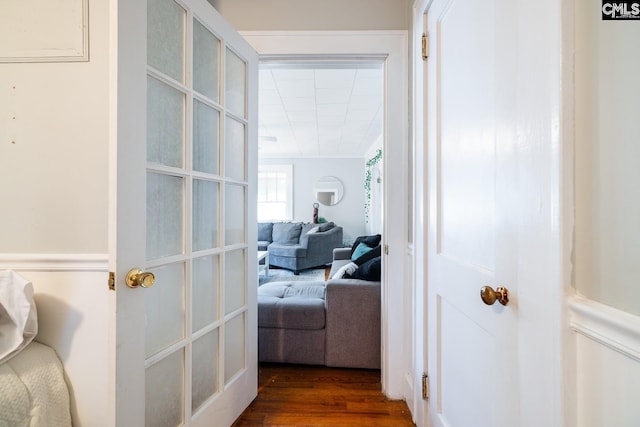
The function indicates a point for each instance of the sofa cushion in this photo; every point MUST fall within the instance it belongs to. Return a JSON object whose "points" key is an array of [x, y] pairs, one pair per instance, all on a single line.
{"points": [[265, 231], [294, 251], [370, 270], [263, 245], [292, 305], [286, 232]]}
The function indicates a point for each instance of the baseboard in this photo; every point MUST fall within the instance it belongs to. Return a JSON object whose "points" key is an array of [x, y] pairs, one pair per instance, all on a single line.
{"points": [[616, 329]]}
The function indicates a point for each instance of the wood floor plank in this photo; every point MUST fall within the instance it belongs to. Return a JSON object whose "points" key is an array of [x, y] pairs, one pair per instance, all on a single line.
{"points": [[315, 396]]}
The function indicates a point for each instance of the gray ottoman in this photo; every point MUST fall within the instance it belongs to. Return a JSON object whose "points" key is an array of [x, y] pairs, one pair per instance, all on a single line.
{"points": [[291, 322]]}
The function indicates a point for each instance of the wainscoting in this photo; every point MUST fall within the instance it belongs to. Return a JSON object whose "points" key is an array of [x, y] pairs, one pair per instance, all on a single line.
{"points": [[73, 303], [607, 364]]}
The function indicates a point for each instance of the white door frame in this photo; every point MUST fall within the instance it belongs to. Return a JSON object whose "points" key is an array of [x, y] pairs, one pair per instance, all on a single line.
{"points": [[419, 407], [396, 283]]}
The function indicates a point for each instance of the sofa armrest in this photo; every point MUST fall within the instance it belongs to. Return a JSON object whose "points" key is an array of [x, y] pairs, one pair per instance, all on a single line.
{"points": [[320, 245], [352, 323], [341, 253]]}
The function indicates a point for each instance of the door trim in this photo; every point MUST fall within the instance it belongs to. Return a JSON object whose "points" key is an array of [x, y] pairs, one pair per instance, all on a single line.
{"points": [[393, 45]]}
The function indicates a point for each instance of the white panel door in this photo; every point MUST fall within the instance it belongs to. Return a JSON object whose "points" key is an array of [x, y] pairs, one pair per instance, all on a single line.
{"points": [[184, 174], [472, 346]]}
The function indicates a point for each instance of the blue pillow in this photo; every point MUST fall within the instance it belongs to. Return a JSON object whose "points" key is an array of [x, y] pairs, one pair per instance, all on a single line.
{"points": [[360, 250], [375, 252], [371, 241]]}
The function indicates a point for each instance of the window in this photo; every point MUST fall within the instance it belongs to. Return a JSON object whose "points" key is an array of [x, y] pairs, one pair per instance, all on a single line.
{"points": [[275, 192]]}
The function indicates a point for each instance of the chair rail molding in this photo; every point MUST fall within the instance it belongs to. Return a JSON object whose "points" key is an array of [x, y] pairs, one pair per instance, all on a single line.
{"points": [[616, 329], [54, 262]]}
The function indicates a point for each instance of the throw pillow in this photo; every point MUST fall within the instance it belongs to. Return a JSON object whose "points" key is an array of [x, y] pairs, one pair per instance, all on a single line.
{"points": [[371, 241], [287, 233], [375, 252], [326, 226], [370, 270], [345, 271], [265, 230], [360, 250], [18, 314]]}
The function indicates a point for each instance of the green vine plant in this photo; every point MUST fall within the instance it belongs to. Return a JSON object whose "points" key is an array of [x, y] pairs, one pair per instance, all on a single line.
{"points": [[367, 182]]}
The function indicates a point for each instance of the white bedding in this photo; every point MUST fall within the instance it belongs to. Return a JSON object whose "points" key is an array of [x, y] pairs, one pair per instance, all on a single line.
{"points": [[32, 389]]}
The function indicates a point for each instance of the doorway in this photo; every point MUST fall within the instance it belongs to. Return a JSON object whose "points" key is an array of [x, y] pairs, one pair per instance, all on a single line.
{"points": [[389, 48]]}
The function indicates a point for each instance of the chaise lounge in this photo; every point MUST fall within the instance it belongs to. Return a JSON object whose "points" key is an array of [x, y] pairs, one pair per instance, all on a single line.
{"points": [[334, 323]]}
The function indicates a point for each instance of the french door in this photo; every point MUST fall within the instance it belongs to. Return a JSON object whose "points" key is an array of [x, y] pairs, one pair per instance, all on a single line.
{"points": [[184, 175]]}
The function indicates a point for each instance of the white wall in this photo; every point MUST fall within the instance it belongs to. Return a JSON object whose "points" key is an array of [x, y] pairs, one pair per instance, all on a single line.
{"points": [[54, 129], [249, 15], [349, 213], [604, 313], [53, 150]]}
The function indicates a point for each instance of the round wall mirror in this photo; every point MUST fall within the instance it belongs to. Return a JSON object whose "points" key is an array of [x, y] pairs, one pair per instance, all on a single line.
{"points": [[328, 190]]}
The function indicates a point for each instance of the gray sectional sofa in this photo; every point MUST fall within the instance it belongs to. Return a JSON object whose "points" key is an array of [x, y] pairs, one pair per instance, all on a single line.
{"points": [[298, 246], [334, 323]]}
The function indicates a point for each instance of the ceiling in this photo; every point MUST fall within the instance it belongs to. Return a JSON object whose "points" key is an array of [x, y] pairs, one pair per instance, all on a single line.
{"points": [[319, 109]]}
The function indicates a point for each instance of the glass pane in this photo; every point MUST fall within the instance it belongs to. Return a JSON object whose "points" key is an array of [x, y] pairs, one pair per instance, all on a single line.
{"points": [[205, 368], [205, 291], [164, 308], [165, 37], [234, 209], [234, 149], [164, 387], [206, 124], [206, 52], [164, 215], [234, 352], [236, 71], [165, 123], [205, 214], [234, 282]]}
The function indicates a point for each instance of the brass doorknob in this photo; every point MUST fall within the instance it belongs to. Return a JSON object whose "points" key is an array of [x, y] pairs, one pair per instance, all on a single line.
{"points": [[489, 296], [137, 277]]}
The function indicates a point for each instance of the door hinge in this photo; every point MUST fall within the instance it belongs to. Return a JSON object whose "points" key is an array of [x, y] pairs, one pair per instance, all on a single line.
{"points": [[386, 249], [112, 281], [425, 46], [425, 387]]}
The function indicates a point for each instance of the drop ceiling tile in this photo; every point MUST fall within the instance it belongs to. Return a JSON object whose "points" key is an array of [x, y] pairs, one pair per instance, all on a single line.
{"points": [[299, 104], [333, 96], [365, 102], [325, 110], [296, 88], [360, 115], [282, 74], [269, 97], [328, 79], [302, 117], [266, 81], [315, 119]]}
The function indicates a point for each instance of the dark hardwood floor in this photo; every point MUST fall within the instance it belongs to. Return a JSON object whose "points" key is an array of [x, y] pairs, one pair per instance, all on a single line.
{"points": [[297, 395]]}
